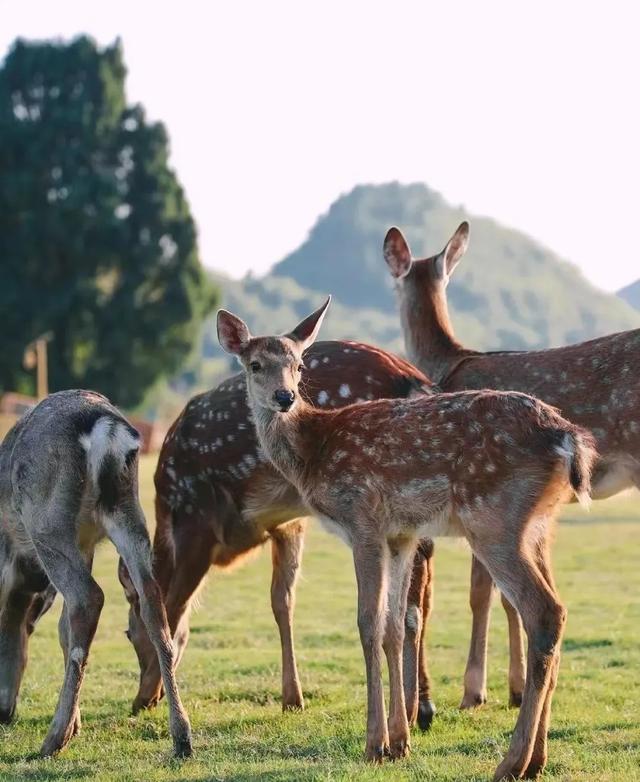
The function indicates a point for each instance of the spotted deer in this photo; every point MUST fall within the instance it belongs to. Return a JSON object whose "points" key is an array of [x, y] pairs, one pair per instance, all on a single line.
{"points": [[489, 466], [594, 384], [68, 477], [218, 498]]}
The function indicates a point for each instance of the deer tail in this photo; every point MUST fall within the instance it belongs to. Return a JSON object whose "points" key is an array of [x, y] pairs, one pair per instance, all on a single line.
{"points": [[577, 448]]}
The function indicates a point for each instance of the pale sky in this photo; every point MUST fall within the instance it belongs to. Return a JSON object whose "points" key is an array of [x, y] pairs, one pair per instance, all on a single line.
{"points": [[524, 111]]}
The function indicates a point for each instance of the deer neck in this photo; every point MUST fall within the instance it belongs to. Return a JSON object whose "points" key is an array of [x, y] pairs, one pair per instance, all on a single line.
{"points": [[281, 437], [428, 333]]}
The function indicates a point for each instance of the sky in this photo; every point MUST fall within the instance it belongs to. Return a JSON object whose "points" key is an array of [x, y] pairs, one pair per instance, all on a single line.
{"points": [[527, 112]]}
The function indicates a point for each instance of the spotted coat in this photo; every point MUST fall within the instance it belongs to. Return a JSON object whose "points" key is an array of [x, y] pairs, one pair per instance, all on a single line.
{"points": [[211, 474]]}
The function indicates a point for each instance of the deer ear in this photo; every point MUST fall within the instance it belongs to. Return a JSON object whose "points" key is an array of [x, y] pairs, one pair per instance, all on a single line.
{"points": [[233, 333], [397, 253], [456, 248], [307, 330]]}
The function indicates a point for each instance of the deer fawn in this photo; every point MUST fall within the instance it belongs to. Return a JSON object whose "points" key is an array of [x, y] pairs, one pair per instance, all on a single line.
{"points": [[68, 477], [489, 466], [592, 383], [217, 498]]}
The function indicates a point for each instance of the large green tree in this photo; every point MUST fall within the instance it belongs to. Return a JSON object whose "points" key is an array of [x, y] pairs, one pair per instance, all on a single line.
{"points": [[97, 243]]}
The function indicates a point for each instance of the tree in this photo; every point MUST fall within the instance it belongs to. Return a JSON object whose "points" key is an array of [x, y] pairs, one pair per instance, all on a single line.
{"points": [[97, 243]]}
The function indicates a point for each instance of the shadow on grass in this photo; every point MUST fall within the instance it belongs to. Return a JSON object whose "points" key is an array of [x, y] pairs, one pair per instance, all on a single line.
{"points": [[42, 774], [574, 645]]}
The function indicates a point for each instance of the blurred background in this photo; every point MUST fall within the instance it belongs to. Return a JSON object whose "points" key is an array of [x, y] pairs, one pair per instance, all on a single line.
{"points": [[157, 161]]}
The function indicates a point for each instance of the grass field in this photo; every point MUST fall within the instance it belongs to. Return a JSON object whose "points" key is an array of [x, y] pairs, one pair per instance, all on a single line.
{"points": [[230, 676]]}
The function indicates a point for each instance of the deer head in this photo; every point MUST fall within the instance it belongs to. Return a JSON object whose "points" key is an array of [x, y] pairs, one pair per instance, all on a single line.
{"points": [[421, 286], [273, 365], [435, 271]]}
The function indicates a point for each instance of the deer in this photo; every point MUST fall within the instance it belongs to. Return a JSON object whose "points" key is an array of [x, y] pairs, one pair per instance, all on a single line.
{"points": [[68, 478], [218, 498], [489, 466], [592, 383]]}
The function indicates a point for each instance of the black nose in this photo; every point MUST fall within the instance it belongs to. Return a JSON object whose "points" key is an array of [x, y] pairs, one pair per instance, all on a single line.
{"points": [[284, 398]]}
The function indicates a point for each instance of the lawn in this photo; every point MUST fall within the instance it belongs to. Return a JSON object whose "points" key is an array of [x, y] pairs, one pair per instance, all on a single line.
{"points": [[230, 676]]}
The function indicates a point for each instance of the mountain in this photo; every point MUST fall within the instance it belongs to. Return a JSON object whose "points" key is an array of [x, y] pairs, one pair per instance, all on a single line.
{"points": [[509, 292], [631, 294]]}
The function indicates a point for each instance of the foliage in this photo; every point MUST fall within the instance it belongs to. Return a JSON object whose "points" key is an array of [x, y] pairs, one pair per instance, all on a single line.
{"points": [[97, 243], [230, 675]]}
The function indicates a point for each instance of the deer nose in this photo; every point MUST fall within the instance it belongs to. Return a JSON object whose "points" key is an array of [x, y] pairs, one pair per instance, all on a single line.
{"points": [[284, 398]]}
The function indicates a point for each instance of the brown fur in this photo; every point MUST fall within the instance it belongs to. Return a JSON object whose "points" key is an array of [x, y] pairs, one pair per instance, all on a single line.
{"points": [[593, 383], [489, 466], [218, 499]]}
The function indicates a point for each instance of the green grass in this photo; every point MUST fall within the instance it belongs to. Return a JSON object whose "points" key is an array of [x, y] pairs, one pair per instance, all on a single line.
{"points": [[230, 676]]}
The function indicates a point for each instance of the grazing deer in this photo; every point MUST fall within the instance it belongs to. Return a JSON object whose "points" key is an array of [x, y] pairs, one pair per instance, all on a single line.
{"points": [[593, 384], [217, 498], [68, 477], [489, 466]]}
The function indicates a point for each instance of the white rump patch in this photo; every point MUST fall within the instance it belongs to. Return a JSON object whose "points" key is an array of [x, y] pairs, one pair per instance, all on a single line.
{"points": [[108, 436]]}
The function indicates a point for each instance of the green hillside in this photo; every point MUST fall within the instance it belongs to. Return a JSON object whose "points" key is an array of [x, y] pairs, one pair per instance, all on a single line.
{"points": [[508, 292]]}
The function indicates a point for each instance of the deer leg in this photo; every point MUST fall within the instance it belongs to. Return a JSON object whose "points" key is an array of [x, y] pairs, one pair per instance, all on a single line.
{"points": [[370, 560], [415, 673], [41, 603], [14, 641], [475, 675], [192, 561], [543, 616], [128, 531], [400, 560], [426, 707], [413, 628], [64, 637], [539, 754], [83, 598], [286, 554], [516, 654]]}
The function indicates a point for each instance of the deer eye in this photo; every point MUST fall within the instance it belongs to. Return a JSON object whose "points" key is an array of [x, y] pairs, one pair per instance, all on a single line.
{"points": [[255, 366]]}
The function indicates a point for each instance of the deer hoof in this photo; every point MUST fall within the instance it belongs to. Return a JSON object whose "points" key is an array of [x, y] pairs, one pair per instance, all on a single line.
{"points": [[473, 700], [56, 742], [426, 713], [399, 748], [293, 704], [508, 770], [182, 747], [140, 704], [376, 753], [535, 768], [515, 699], [7, 715]]}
